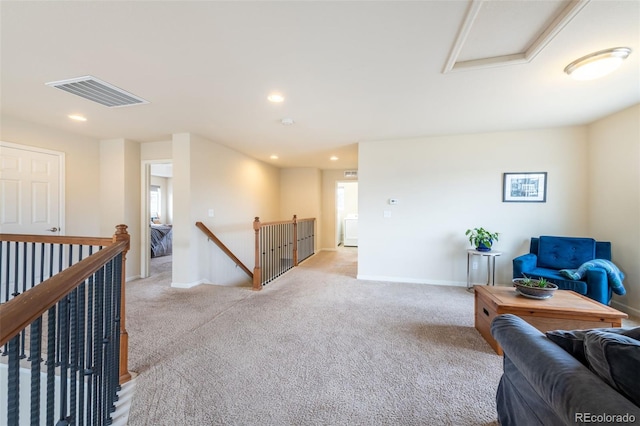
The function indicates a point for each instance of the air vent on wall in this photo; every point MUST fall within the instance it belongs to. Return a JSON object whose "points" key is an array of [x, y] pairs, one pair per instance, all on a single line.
{"points": [[351, 173], [99, 91]]}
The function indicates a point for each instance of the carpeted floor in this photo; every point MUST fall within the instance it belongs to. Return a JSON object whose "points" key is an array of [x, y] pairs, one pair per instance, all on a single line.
{"points": [[314, 347]]}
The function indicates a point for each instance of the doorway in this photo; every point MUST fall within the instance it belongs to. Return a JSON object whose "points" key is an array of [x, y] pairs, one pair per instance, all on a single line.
{"points": [[347, 214], [157, 212]]}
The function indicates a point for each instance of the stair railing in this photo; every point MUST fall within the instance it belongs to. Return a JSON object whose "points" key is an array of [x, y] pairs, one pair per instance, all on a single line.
{"points": [[211, 236], [70, 308], [279, 246]]}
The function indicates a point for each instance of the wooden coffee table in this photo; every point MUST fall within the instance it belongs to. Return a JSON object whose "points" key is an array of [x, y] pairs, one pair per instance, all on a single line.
{"points": [[566, 310]]}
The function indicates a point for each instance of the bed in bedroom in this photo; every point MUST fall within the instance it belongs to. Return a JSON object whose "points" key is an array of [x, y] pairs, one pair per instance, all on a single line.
{"points": [[161, 240]]}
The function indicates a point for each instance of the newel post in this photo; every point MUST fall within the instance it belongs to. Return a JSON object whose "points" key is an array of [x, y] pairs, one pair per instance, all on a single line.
{"points": [[122, 235], [295, 240], [257, 272]]}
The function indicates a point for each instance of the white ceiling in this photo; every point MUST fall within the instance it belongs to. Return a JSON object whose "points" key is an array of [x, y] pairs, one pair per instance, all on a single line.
{"points": [[350, 71]]}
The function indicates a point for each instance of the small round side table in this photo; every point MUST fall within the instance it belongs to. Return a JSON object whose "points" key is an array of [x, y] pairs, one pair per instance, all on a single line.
{"points": [[491, 265]]}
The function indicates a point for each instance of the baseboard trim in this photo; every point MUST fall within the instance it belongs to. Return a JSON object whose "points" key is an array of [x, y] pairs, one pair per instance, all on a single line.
{"points": [[410, 280]]}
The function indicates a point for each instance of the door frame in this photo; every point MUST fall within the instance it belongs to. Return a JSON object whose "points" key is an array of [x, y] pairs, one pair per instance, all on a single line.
{"points": [[61, 177]]}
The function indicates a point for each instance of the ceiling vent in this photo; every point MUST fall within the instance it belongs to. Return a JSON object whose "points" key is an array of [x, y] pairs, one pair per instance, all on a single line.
{"points": [[351, 173], [99, 91]]}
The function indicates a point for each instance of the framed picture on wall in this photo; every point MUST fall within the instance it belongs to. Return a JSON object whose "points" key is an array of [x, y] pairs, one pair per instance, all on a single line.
{"points": [[524, 187]]}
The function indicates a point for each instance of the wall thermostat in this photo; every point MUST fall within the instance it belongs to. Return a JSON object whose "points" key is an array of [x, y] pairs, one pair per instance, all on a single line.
{"points": [[393, 201]]}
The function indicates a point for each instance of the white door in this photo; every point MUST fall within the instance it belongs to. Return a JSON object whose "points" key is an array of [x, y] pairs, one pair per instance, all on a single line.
{"points": [[30, 190]]}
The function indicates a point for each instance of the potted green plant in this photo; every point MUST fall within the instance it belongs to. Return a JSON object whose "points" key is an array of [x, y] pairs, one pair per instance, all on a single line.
{"points": [[481, 239], [533, 288]]}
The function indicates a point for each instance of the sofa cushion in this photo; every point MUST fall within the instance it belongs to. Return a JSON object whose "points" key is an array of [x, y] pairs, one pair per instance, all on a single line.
{"points": [[614, 275], [572, 341], [565, 252], [616, 360]]}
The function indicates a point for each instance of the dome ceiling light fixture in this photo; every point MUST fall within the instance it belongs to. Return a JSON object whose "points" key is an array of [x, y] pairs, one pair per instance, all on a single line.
{"points": [[598, 64]]}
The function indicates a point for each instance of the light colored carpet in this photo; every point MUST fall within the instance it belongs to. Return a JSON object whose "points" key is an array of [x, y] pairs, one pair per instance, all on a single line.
{"points": [[314, 347]]}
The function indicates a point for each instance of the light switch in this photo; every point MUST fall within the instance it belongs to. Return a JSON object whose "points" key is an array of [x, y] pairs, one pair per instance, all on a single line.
{"points": [[210, 212], [387, 213]]}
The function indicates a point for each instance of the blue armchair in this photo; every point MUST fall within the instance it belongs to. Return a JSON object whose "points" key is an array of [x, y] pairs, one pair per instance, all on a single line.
{"points": [[548, 255]]}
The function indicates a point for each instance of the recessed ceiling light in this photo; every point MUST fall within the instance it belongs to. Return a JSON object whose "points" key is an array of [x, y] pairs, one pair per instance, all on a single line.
{"points": [[287, 121], [77, 117], [275, 97], [333, 158], [274, 157], [598, 64]]}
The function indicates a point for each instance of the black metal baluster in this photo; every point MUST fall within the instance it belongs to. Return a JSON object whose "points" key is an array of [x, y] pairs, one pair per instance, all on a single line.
{"points": [[23, 333], [51, 363], [59, 339], [270, 252], [24, 267], [108, 342], [265, 255], [42, 262], [35, 349], [89, 369], [16, 274], [32, 282], [6, 297], [80, 339], [63, 326], [118, 300], [278, 258], [97, 348], [13, 383], [2, 268], [73, 355]]}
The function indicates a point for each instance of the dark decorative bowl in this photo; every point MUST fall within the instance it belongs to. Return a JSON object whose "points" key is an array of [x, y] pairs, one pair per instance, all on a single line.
{"points": [[532, 291]]}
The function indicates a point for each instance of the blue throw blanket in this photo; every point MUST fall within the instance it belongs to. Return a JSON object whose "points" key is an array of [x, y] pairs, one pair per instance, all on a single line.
{"points": [[614, 275]]}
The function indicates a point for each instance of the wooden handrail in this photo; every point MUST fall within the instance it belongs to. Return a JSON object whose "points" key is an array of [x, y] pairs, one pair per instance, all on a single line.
{"points": [[224, 248], [18, 313], [279, 222], [56, 239]]}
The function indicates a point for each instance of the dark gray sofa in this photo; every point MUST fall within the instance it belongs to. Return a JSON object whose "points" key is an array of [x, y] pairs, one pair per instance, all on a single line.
{"points": [[543, 384]]}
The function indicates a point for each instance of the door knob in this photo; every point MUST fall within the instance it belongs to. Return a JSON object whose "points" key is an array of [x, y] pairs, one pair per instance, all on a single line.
{"points": [[54, 229]]}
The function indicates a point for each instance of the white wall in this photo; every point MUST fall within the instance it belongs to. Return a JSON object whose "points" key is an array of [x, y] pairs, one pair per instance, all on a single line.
{"points": [[614, 196], [448, 184], [300, 192], [120, 194], [301, 195], [82, 171], [161, 150], [210, 176]]}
